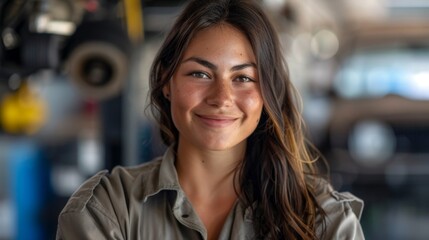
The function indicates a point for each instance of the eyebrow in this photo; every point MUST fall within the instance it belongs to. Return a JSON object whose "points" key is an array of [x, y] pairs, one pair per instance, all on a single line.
{"points": [[212, 66]]}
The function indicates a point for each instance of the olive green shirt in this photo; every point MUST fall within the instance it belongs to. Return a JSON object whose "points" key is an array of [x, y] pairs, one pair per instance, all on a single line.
{"points": [[147, 202]]}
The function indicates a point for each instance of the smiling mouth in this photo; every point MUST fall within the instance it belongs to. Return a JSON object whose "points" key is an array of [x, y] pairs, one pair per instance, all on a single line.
{"points": [[217, 121]]}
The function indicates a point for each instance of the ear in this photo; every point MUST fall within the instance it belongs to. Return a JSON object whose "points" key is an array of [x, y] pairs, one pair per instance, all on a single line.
{"points": [[166, 90]]}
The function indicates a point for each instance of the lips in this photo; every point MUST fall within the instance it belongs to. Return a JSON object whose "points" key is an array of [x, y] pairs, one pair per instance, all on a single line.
{"points": [[217, 121]]}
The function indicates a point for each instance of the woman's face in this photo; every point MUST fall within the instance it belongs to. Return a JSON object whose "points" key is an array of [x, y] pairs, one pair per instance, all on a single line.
{"points": [[215, 96]]}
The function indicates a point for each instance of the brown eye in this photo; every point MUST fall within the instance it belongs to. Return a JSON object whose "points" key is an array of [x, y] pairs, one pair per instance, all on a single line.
{"points": [[244, 79], [199, 75]]}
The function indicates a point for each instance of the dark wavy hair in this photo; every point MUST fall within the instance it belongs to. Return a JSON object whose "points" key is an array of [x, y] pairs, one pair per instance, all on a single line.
{"points": [[273, 176]]}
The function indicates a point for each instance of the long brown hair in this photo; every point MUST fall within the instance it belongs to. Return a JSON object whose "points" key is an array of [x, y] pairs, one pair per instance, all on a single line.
{"points": [[272, 177]]}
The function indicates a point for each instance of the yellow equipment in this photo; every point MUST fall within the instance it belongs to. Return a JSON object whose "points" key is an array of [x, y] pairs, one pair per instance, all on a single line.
{"points": [[22, 112]]}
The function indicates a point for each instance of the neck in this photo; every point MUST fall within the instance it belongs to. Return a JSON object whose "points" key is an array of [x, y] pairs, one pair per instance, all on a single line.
{"points": [[207, 173]]}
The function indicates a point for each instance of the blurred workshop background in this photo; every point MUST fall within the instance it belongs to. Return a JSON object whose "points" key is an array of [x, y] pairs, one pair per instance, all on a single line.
{"points": [[73, 92]]}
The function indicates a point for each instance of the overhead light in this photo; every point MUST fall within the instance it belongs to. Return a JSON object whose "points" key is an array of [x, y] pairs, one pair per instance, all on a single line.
{"points": [[274, 4], [408, 4], [325, 44]]}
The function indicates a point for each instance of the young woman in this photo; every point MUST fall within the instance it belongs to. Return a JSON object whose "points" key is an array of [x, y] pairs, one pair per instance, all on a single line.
{"points": [[237, 166]]}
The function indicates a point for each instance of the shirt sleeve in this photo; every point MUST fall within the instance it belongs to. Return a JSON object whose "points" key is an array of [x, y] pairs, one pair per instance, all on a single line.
{"points": [[85, 217], [89, 223], [343, 212]]}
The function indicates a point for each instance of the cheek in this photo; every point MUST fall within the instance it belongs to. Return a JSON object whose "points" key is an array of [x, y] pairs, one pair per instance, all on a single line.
{"points": [[183, 98], [252, 102]]}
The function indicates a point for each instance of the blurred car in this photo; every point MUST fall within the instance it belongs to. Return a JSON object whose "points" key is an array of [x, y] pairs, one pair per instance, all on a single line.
{"points": [[377, 135], [380, 114]]}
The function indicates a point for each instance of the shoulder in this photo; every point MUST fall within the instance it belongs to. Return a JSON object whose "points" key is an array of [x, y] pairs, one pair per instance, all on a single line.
{"points": [[104, 188], [332, 201], [343, 212]]}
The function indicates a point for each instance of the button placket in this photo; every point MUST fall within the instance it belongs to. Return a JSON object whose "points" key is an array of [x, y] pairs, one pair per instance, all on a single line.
{"points": [[185, 214]]}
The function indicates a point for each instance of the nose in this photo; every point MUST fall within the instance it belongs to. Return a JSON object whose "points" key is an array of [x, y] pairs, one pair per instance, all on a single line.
{"points": [[220, 94]]}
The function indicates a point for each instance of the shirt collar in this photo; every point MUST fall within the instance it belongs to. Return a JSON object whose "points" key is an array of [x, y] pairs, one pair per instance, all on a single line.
{"points": [[167, 178], [168, 175]]}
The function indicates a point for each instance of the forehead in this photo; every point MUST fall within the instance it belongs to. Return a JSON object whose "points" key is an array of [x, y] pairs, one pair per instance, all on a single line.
{"points": [[220, 38]]}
